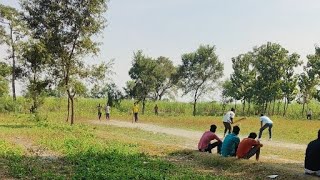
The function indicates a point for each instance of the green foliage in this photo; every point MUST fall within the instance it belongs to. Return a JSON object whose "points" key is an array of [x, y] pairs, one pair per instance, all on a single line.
{"points": [[199, 71]]}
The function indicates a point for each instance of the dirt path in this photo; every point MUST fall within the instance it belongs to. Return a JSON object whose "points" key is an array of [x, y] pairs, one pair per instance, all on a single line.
{"points": [[33, 149]]}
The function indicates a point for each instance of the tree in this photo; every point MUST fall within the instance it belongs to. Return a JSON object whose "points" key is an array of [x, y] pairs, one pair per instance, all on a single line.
{"points": [[268, 62], [35, 65], [12, 30], [4, 72], [66, 28], [199, 71], [242, 78], [143, 73], [289, 81], [114, 95], [164, 73]]}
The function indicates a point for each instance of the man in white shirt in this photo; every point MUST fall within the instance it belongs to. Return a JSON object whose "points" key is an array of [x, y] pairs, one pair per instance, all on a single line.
{"points": [[228, 120], [107, 109], [265, 123]]}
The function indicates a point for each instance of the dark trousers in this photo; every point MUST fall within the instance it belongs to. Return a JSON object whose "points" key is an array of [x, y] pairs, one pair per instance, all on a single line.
{"points": [[107, 115], [217, 144], [99, 115], [253, 151], [267, 125], [227, 127], [135, 117]]}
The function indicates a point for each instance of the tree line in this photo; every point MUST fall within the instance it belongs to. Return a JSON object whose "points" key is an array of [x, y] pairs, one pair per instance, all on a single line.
{"points": [[46, 42]]}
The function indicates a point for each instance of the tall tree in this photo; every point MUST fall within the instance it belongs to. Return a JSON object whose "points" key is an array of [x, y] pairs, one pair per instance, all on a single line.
{"points": [[67, 29], [268, 62], [36, 59], [12, 30], [4, 72], [143, 73], [289, 80], [199, 72], [242, 78], [164, 73]]}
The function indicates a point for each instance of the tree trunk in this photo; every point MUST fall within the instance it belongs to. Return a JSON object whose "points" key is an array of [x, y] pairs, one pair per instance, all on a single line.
{"points": [[303, 108], [194, 107], [143, 105], [284, 107], [72, 109], [248, 111], [13, 65], [68, 109], [243, 106], [278, 107], [274, 104]]}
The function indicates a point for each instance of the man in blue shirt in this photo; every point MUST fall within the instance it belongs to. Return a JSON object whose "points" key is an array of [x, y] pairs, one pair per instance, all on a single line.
{"points": [[265, 123], [230, 143]]}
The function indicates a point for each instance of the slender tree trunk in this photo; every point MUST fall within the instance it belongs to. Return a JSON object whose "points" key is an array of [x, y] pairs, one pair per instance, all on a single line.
{"points": [[143, 105], [278, 107], [195, 103], [72, 109], [243, 106], [284, 107], [274, 104], [13, 65], [68, 109], [302, 108], [249, 103]]}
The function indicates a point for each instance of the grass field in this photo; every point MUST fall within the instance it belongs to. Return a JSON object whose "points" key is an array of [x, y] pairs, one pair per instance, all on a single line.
{"points": [[45, 147]]}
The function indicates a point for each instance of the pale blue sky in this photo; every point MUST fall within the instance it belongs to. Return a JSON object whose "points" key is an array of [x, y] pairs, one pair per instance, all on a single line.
{"points": [[173, 27]]}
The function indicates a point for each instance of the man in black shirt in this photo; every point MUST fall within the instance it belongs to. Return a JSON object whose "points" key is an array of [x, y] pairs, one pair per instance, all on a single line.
{"points": [[312, 160]]}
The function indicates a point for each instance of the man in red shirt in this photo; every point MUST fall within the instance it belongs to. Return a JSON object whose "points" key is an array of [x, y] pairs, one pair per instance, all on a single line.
{"points": [[205, 144], [249, 147]]}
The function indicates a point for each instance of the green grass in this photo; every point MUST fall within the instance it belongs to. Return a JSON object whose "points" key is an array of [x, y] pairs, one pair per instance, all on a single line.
{"points": [[86, 151]]}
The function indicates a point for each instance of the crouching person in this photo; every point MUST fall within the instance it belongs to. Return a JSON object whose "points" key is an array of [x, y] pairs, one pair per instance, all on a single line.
{"points": [[312, 159], [230, 143], [249, 147], [205, 144]]}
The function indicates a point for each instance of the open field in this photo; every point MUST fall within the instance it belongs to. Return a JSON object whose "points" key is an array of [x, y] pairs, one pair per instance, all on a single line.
{"points": [[46, 147]]}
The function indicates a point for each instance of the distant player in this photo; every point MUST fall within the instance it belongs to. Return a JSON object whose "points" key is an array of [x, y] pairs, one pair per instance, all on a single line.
{"points": [[228, 120], [107, 109], [156, 110], [265, 123], [135, 110], [309, 114], [99, 111]]}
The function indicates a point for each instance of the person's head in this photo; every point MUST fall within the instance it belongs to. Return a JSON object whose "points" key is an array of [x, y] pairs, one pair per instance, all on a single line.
{"points": [[261, 114], [252, 135], [236, 130], [319, 134], [213, 128], [233, 110]]}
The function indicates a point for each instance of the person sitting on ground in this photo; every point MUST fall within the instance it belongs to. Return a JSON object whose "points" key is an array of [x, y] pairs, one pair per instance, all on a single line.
{"points": [[312, 159], [230, 143], [249, 147], [205, 144]]}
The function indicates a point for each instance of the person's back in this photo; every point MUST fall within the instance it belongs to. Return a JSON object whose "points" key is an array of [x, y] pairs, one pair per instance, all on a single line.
{"points": [[206, 138], [230, 143], [312, 158]]}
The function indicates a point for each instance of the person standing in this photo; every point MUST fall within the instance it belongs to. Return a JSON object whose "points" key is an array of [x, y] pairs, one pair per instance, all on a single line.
{"points": [[230, 143], [107, 109], [249, 147], [266, 122], [156, 110], [205, 144], [228, 120], [312, 159], [99, 111], [309, 114], [135, 110]]}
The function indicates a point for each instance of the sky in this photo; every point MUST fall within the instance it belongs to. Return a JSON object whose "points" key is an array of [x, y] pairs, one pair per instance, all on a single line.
{"points": [[173, 27]]}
